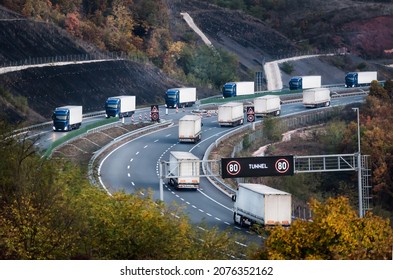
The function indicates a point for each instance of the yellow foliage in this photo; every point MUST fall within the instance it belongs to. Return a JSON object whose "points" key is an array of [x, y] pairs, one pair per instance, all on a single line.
{"points": [[335, 233]]}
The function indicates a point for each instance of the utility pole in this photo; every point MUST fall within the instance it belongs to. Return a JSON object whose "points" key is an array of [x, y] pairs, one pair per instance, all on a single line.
{"points": [[359, 168]]}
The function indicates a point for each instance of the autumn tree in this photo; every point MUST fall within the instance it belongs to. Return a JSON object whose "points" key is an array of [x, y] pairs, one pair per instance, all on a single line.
{"points": [[48, 210], [335, 233], [36, 213]]}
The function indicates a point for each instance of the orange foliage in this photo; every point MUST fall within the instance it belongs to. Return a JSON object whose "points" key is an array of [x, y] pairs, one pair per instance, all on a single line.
{"points": [[72, 24]]}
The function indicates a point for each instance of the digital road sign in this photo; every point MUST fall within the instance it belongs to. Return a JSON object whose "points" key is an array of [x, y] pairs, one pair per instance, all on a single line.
{"points": [[257, 166]]}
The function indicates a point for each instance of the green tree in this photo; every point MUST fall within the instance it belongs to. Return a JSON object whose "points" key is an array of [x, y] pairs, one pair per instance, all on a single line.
{"points": [[388, 86], [378, 91], [272, 129]]}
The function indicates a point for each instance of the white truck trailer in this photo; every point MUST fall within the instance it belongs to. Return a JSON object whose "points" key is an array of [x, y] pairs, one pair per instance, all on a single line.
{"points": [[316, 97], [305, 82], [120, 106], [184, 170], [267, 105], [179, 97], [190, 128], [233, 89], [260, 204], [357, 79], [231, 114], [67, 118]]}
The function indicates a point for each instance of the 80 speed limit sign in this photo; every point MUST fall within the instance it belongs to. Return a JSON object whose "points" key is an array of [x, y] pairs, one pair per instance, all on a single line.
{"points": [[233, 168], [282, 165]]}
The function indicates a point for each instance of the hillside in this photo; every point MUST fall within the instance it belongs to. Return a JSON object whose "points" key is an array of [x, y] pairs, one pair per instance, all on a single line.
{"points": [[44, 88], [30, 95]]}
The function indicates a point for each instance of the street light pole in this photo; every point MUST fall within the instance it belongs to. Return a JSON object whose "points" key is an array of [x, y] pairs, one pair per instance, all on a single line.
{"points": [[359, 168]]}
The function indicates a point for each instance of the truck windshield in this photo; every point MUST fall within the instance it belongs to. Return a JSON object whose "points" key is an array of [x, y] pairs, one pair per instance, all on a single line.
{"points": [[114, 106], [228, 88], [60, 117], [171, 94]]}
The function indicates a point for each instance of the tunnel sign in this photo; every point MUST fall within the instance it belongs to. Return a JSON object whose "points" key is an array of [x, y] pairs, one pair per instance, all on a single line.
{"points": [[257, 166]]}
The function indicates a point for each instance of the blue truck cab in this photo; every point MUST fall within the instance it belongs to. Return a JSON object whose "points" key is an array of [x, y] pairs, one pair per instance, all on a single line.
{"points": [[60, 119], [172, 98], [229, 90], [112, 107], [351, 79], [296, 83]]}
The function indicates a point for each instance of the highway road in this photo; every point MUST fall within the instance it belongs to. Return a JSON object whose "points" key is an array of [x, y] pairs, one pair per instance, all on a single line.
{"points": [[134, 167]]}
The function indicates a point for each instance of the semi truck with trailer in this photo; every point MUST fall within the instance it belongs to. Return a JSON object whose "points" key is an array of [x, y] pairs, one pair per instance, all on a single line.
{"points": [[260, 204], [304, 82], [184, 170], [67, 118], [231, 114], [267, 105], [316, 97], [120, 106], [358, 79], [190, 128], [233, 89], [180, 97]]}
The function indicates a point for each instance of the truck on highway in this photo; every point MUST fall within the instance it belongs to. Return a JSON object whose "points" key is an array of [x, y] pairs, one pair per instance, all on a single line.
{"points": [[304, 82], [184, 170], [233, 89], [260, 204], [180, 97], [120, 106], [67, 118], [357, 79], [190, 128], [316, 97], [267, 105], [231, 114]]}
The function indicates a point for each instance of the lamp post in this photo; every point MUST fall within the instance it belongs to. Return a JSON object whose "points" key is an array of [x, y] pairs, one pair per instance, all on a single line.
{"points": [[359, 168]]}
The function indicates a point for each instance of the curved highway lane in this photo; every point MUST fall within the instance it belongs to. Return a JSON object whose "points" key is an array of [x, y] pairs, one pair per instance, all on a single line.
{"points": [[133, 167]]}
